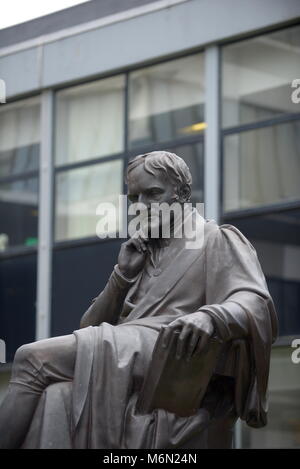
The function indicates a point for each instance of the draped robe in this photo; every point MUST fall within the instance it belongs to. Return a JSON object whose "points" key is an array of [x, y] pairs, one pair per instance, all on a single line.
{"points": [[222, 278]]}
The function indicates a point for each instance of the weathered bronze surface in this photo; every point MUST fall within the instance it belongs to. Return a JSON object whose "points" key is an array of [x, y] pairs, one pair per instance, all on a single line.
{"points": [[81, 390]]}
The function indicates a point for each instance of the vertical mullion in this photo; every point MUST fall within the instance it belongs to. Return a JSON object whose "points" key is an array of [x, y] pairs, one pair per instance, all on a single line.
{"points": [[126, 126], [237, 444], [212, 168], [124, 208], [212, 156], [43, 310]]}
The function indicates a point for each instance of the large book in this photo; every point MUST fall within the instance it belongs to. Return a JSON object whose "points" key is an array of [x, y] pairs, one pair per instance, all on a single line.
{"points": [[177, 385]]}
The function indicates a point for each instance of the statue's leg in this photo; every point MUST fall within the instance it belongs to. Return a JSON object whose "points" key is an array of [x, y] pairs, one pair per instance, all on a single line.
{"points": [[35, 366]]}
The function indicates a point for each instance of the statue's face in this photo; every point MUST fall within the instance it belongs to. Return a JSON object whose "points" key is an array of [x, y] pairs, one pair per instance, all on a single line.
{"points": [[146, 188]]}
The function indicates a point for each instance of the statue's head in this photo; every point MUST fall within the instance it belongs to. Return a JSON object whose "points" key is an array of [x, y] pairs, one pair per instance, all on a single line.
{"points": [[164, 166], [158, 177]]}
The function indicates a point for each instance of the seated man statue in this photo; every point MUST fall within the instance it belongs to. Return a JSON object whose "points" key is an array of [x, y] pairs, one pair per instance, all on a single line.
{"points": [[81, 390]]}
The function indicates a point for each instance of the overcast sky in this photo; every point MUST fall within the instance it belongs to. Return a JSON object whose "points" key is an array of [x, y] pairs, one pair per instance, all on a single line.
{"points": [[17, 11]]}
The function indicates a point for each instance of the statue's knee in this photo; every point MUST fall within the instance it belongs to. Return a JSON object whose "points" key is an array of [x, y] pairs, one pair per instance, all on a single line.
{"points": [[24, 354]]}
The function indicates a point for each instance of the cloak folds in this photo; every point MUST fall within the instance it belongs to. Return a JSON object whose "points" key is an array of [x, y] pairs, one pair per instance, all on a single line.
{"points": [[242, 308], [223, 279]]}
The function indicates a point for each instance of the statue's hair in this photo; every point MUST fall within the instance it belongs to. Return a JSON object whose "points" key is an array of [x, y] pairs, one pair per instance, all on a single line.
{"points": [[170, 163]]}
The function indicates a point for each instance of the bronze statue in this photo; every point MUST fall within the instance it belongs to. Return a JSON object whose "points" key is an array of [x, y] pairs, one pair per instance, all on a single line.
{"points": [[81, 390]]}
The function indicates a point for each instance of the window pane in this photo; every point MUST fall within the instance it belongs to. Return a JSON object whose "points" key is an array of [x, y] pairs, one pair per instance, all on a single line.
{"points": [[262, 166], [78, 193], [257, 76], [19, 137], [283, 429], [76, 287], [90, 121], [18, 276], [276, 238], [18, 213], [166, 101], [193, 156]]}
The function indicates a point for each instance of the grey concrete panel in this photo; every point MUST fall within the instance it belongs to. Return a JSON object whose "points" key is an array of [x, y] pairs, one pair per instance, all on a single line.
{"points": [[21, 71], [179, 28]]}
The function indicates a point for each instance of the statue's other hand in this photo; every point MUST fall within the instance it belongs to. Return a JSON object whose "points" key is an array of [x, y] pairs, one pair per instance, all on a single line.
{"points": [[195, 329], [132, 256]]}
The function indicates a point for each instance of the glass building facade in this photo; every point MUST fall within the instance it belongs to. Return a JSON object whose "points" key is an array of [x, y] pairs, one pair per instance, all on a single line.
{"points": [[96, 125], [261, 194]]}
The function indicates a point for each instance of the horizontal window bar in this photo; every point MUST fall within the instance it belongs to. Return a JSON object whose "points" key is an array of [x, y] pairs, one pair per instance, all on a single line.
{"points": [[72, 243], [260, 124], [90, 162], [285, 341], [165, 145], [19, 177], [18, 251], [266, 209]]}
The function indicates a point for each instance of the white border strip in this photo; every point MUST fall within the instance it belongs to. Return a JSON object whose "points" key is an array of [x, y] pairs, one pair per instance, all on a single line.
{"points": [[89, 26]]}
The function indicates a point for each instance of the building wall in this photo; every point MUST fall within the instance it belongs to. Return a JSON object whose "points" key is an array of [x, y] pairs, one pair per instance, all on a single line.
{"points": [[72, 55]]}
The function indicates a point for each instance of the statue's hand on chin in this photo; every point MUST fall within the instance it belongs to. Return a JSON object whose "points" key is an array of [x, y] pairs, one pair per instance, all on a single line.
{"points": [[195, 329], [132, 256]]}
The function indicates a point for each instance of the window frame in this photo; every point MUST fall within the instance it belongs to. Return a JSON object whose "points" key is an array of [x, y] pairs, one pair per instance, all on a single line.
{"points": [[14, 251], [267, 209], [224, 131], [127, 153]]}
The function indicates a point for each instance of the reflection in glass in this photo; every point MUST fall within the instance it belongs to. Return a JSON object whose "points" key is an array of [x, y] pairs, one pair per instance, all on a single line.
{"points": [[280, 263], [194, 157], [90, 121], [18, 289], [18, 213], [257, 76], [283, 428], [262, 166], [276, 238], [166, 101], [19, 137], [78, 193]]}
